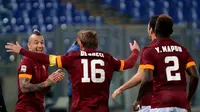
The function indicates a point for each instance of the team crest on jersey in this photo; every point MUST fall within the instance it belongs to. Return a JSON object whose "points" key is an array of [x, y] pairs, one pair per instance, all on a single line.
{"points": [[23, 68]]}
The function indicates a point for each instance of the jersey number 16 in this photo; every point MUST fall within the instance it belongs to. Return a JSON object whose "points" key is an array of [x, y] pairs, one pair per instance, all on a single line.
{"points": [[93, 72]]}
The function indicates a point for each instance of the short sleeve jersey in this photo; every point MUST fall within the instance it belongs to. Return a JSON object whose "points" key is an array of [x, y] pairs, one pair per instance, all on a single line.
{"points": [[146, 99], [37, 73], [169, 61], [90, 72]]}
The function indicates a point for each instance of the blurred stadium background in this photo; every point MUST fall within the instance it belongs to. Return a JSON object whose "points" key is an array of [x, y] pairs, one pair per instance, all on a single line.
{"points": [[117, 22]]}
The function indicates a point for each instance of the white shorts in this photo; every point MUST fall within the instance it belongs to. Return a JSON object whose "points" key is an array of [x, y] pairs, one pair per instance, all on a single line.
{"points": [[145, 109], [168, 109]]}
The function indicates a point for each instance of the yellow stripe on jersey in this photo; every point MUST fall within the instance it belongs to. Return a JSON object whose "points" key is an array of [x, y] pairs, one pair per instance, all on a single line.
{"points": [[25, 76], [59, 62], [141, 67], [146, 66], [189, 64], [52, 60], [122, 65]]}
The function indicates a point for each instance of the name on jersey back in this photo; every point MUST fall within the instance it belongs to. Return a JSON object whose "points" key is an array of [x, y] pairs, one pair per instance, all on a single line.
{"points": [[97, 54], [163, 49]]}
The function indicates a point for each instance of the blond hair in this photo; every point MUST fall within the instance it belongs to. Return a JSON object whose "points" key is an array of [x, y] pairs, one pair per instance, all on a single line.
{"points": [[88, 38]]}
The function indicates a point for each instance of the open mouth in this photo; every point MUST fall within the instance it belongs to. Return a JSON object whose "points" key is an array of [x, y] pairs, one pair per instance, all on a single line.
{"points": [[39, 50]]}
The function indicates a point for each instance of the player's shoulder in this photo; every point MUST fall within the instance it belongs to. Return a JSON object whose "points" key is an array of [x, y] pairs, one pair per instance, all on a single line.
{"points": [[26, 60], [182, 47], [146, 49], [110, 58], [106, 55], [151, 45]]}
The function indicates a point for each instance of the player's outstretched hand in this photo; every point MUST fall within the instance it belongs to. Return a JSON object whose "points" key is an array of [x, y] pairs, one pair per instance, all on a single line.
{"points": [[55, 77], [116, 93], [134, 46], [15, 48], [136, 106]]}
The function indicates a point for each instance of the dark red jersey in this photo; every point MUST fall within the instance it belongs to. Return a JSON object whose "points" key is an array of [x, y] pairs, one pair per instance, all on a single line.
{"points": [[38, 73], [146, 99], [169, 61], [90, 72]]}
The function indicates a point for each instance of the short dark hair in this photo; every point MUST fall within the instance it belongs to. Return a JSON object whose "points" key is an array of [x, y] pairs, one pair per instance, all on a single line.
{"points": [[36, 32], [88, 38], [164, 26], [152, 22]]}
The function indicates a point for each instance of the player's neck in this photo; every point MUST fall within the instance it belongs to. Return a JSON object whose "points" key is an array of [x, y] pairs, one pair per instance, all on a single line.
{"points": [[153, 38], [158, 36], [83, 49]]}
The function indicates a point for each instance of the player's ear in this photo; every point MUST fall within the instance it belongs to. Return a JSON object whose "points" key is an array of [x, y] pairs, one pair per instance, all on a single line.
{"points": [[28, 45], [79, 42], [151, 30]]}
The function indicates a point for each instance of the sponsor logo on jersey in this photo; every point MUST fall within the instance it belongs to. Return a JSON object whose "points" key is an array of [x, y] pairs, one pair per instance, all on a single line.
{"points": [[23, 68]]}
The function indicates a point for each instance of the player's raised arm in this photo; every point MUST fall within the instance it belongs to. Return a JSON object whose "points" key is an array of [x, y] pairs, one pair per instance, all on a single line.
{"points": [[42, 58], [120, 65], [134, 81], [131, 60], [194, 78]]}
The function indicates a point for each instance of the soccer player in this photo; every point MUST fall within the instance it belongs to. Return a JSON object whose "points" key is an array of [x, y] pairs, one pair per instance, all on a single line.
{"points": [[137, 78], [74, 47], [166, 62], [90, 70], [33, 78]]}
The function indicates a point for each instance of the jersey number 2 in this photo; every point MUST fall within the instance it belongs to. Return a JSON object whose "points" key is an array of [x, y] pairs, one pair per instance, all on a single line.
{"points": [[94, 71], [169, 69]]}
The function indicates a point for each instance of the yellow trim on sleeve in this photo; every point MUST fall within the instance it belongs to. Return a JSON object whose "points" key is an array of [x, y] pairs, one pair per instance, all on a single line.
{"points": [[189, 64], [122, 65], [59, 62], [141, 67], [146, 66], [25, 76], [52, 60]]}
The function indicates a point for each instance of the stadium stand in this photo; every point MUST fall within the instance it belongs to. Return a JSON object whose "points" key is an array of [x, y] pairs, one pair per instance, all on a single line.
{"points": [[26, 15], [180, 10], [18, 16]]}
